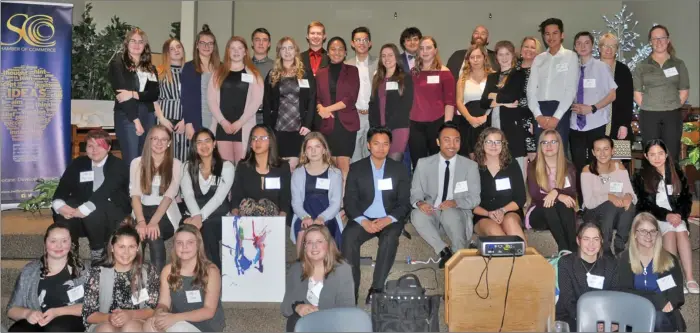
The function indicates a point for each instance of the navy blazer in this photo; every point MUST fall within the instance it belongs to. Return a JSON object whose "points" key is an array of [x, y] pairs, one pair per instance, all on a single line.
{"points": [[406, 67], [122, 78], [397, 109], [307, 101], [348, 87], [191, 95]]}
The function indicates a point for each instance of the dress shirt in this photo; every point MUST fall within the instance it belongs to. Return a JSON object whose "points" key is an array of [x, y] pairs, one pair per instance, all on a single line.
{"points": [[376, 209], [411, 60], [597, 83], [315, 59], [222, 191], [98, 178], [441, 179], [553, 78], [363, 96], [660, 84]]}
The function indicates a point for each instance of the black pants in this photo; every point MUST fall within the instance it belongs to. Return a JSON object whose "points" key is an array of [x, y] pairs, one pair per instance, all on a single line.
{"points": [[157, 246], [211, 235], [608, 217], [561, 222], [292, 320], [664, 125], [548, 108], [58, 324], [98, 226], [354, 235], [581, 145], [422, 141]]}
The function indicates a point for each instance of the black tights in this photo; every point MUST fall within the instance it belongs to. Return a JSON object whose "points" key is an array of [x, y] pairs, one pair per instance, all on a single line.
{"points": [[58, 324]]}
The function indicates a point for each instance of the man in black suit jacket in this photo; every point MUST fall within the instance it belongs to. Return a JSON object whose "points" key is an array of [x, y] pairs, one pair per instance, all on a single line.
{"points": [[410, 43], [376, 201], [315, 35], [87, 199], [479, 35]]}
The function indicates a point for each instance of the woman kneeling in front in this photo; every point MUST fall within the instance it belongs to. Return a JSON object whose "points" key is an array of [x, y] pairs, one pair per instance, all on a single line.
{"points": [[320, 280]]}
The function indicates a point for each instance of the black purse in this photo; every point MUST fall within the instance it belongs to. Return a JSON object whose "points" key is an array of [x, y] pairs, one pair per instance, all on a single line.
{"points": [[404, 307]]}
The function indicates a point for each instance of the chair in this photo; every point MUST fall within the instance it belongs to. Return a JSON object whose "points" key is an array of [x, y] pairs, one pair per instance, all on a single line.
{"points": [[335, 320], [617, 307]]}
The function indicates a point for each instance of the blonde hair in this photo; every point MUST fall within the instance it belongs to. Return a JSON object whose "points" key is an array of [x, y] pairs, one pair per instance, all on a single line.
{"points": [[663, 261], [148, 168], [201, 268], [610, 36], [538, 46], [437, 63], [541, 169], [466, 70], [225, 68], [332, 258], [303, 159], [278, 69], [164, 72]]}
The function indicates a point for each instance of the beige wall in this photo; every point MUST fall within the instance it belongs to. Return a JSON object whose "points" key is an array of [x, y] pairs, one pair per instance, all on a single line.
{"points": [[219, 16]]}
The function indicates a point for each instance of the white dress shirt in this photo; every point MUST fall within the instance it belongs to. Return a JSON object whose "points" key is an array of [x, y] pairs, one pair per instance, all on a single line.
{"points": [[441, 179], [365, 92], [553, 78]]}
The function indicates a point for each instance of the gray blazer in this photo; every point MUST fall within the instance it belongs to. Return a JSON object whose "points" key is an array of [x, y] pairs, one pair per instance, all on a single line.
{"points": [[338, 289], [373, 61], [425, 182], [26, 292], [335, 196]]}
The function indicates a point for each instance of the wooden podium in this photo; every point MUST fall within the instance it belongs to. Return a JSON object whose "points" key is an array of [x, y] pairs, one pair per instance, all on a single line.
{"points": [[530, 302]]}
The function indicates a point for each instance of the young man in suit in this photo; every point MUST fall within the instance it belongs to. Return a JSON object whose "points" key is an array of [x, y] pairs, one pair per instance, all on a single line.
{"points": [[366, 66], [376, 203], [480, 35], [316, 56], [446, 187], [410, 42]]}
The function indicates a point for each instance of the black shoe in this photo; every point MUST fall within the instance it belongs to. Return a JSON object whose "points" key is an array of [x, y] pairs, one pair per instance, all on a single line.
{"points": [[445, 255], [371, 292]]}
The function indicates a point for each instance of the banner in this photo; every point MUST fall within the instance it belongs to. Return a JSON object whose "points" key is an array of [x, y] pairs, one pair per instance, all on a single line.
{"points": [[36, 91]]}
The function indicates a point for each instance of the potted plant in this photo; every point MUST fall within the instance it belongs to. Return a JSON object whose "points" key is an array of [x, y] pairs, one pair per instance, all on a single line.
{"points": [[45, 189]]}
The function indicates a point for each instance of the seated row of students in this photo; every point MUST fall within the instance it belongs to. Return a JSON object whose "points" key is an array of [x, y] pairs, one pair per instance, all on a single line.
{"points": [[120, 293]]}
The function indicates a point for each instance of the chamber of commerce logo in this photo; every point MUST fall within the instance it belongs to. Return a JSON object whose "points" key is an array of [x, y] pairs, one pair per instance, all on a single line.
{"points": [[35, 30]]}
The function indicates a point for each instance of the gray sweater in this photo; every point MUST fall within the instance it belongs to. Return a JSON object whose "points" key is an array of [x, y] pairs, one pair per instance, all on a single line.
{"points": [[26, 292], [338, 289]]}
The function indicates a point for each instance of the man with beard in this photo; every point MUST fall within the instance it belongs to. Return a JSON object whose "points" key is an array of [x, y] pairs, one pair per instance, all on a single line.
{"points": [[480, 35], [315, 57]]}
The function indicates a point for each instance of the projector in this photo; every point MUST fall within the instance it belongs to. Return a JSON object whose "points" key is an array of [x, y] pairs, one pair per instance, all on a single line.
{"points": [[501, 246]]}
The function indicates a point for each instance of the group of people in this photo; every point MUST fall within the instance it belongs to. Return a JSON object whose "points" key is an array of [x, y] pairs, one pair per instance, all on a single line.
{"points": [[489, 132]]}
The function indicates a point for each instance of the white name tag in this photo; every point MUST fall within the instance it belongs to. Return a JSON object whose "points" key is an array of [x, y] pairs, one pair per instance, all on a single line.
{"points": [[433, 79], [567, 184], [589, 83], [669, 189], [562, 67], [666, 283], [669, 72], [391, 85], [461, 187], [303, 83], [87, 176], [595, 281], [616, 187], [245, 77], [323, 183], [385, 184], [272, 183], [156, 181], [76, 293], [193, 296], [502, 184], [143, 296]]}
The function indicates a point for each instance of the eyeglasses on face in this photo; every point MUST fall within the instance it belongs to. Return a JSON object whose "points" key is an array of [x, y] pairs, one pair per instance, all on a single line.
{"points": [[659, 39], [206, 44], [137, 41], [261, 138], [493, 142], [548, 143], [361, 40], [647, 233]]}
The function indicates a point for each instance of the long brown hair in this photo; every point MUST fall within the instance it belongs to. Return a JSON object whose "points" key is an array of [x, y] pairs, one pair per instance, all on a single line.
{"points": [[670, 49], [437, 63], [201, 268], [107, 259], [145, 64], [505, 44], [164, 72], [652, 177], [214, 60], [303, 160], [332, 258], [148, 167], [663, 261], [398, 76], [278, 70], [504, 157], [74, 262], [224, 69], [467, 68], [541, 169]]}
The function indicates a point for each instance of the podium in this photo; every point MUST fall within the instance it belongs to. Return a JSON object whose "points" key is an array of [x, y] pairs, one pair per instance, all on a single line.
{"points": [[530, 304]]}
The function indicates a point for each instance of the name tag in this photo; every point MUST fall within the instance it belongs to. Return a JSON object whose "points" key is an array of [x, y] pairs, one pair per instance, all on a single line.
{"points": [[156, 181], [666, 283], [669, 72], [193, 296], [87, 176], [272, 183], [562, 67], [589, 83], [391, 85], [616, 187], [385, 184], [433, 79], [669, 189], [76, 293], [323, 183], [303, 83], [143, 296], [245, 77], [567, 184], [595, 281], [502, 184], [461, 187]]}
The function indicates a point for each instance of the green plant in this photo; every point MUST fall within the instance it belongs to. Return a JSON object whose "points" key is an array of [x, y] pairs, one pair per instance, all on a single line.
{"points": [[693, 147], [175, 30], [45, 190]]}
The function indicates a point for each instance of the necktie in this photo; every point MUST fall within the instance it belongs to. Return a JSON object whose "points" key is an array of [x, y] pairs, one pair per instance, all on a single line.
{"points": [[580, 119], [446, 181]]}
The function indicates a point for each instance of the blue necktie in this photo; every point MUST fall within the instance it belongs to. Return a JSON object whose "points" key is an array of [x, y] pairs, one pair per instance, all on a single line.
{"points": [[580, 119]]}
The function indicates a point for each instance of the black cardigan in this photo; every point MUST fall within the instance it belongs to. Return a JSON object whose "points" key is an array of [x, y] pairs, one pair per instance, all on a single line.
{"points": [[623, 103], [307, 101], [646, 202], [121, 78], [397, 109], [115, 187], [247, 183]]}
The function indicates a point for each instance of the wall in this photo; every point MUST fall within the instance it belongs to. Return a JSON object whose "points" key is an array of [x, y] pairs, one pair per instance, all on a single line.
{"points": [[219, 16]]}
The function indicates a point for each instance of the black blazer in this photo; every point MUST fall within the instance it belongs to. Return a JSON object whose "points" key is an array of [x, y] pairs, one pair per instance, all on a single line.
{"points": [[359, 189], [325, 60], [623, 104], [115, 187], [307, 101], [646, 202], [121, 78], [457, 59], [397, 109], [512, 91]]}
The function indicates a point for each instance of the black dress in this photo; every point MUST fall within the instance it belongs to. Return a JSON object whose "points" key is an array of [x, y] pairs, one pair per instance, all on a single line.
{"points": [[492, 198], [341, 141], [233, 95]]}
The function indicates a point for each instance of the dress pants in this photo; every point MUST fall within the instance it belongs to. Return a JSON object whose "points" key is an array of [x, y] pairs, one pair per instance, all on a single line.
{"points": [[130, 144], [361, 150], [609, 217], [581, 144], [548, 108], [664, 125], [561, 222], [422, 141], [98, 226], [455, 222], [354, 235], [211, 235]]}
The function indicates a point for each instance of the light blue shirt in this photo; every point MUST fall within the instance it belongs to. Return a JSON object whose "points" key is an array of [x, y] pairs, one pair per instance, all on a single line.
{"points": [[376, 209], [598, 81]]}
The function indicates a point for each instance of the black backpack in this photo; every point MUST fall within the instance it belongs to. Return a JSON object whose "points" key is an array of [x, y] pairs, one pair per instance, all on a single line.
{"points": [[404, 307]]}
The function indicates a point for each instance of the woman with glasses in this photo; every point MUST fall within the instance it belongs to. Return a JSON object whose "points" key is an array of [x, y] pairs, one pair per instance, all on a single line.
{"points": [[661, 87], [168, 107], [551, 182], [646, 269], [502, 187], [261, 184], [619, 124], [195, 81], [662, 189], [319, 280]]}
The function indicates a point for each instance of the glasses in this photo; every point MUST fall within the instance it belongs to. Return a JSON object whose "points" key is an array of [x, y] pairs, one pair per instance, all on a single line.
{"points": [[609, 46], [647, 233], [315, 244], [659, 39], [161, 140], [361, 40], [137, 41], [206, 44], [493, 142], [261, 138], [549, 143]]}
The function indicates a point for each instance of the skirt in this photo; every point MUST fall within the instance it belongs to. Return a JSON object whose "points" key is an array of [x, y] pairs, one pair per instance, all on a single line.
{"points": [[341, 141]]}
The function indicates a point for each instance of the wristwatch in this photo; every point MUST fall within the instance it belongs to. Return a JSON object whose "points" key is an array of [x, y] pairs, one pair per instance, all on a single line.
{"points": [[593, 108]]}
